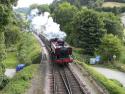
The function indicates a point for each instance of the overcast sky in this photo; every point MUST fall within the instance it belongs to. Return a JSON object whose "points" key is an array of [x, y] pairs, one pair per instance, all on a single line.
{"points": [[27, 3]]}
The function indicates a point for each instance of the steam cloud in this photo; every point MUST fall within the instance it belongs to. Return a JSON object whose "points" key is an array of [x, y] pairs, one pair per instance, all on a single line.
{"points": [[44, 24]]}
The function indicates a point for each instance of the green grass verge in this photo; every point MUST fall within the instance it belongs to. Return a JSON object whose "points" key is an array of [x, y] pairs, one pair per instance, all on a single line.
{"points": [[111, 86], [117, 82], [11, 61], [21, 81], [113, 4]]}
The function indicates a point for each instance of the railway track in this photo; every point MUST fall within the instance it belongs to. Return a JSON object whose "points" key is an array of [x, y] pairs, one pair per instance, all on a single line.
{"points": [[64, 81]]}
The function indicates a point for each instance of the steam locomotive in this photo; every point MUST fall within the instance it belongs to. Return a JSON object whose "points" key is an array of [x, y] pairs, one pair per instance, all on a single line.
{"points": [[59, 50]]}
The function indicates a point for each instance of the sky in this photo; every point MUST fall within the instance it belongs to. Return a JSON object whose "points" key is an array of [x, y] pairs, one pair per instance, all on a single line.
{"points": [[27, 3]]}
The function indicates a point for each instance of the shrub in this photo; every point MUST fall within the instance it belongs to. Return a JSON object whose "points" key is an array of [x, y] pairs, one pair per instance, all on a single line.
{"points": [[110, 46], [29, 49], [3, 81], [78, 50]]}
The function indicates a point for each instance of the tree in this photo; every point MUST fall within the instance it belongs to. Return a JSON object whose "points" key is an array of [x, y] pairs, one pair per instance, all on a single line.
{"points": [[64, 16], [113, 24], [79, 3], [44, 8], [54, 6], [88, 30], [94, 3], [8, 2], [5, 14], [73, 2], [111, 45]]}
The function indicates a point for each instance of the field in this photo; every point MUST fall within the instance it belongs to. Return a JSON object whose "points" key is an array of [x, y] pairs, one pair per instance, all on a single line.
{"points": [[113, 4]]}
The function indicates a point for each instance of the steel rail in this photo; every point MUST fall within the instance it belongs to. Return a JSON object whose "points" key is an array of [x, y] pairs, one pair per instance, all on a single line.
{"points": [[65, 82], [54, 81], [69, 86], [83, 89]]}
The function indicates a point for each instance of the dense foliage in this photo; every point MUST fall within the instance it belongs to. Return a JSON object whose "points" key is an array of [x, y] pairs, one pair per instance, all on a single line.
{"points": [[5, 19], [42, 8], [95, 4], [25, 47], [113, 24], [89, 29], [64, 15], [14, 40], [85, 27], [111, 46], [22, 50], [88, 3]]}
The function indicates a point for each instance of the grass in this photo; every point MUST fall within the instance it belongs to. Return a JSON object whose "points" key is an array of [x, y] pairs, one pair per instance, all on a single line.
{"points": [[21, 81], [117, 82], [11, 61], [113, 4], [112, 86]]}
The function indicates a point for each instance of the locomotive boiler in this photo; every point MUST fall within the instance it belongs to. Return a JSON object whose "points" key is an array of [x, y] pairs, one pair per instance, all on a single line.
{"points": [[59, 50]]}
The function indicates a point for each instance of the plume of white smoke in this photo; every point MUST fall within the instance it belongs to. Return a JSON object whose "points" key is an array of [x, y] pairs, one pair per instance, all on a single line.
{"points": [[44, 24]]}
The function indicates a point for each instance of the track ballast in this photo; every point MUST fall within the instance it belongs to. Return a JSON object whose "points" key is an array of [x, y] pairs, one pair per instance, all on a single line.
{"points": [[64, 81]]}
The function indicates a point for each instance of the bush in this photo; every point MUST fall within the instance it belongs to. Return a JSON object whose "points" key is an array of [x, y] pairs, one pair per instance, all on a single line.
{"points": [[110, 46], [78, 50], [3, 81], [29, 50], [3, 78]]}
